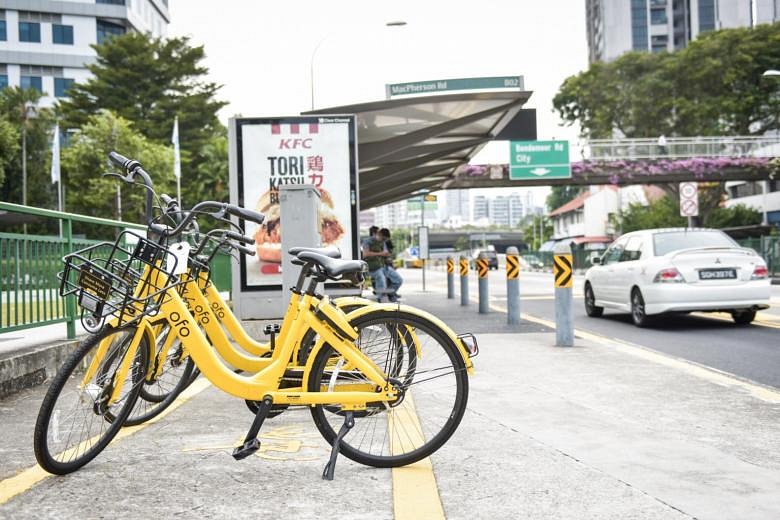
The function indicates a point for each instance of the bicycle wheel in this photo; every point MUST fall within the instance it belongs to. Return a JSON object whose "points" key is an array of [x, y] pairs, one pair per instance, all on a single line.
{"points": [[433, 384], [76, 422], [159, 392]]}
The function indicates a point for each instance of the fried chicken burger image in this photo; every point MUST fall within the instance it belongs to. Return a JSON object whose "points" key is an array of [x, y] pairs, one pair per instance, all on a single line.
{"points": [[268, 237]]}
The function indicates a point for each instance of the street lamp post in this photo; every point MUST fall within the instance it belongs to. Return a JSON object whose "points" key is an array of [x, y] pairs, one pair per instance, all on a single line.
{"points": [[394, 23], [765, 185]]}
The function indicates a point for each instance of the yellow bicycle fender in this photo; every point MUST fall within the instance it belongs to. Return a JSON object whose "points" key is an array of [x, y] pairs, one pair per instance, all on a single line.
{"points": [[352, 301], [425, 315]]}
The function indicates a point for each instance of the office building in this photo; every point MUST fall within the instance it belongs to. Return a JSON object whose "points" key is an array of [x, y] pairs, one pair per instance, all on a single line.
{"points": [[615, 27], [45, 44]]}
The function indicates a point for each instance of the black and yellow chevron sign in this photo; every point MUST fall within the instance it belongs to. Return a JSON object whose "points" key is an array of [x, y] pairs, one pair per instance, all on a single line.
{"points": [[450, 266], [464, 267], [562, 271], [512, 266], [482, 267]]}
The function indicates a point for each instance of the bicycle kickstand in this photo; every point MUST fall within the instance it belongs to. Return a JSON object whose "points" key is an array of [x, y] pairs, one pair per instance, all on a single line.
{"points": [[251, 442], [330, 467]]}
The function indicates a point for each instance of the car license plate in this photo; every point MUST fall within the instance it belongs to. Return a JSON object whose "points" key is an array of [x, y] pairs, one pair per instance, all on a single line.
{"points": [[717, 274]]}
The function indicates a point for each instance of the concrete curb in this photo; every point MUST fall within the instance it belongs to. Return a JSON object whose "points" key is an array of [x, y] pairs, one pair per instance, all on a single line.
{"points": [[31, 366]]}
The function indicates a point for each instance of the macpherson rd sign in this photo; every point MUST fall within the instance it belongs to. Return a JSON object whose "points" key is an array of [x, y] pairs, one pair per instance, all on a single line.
{"points": [[540, 160], [446, 85]]}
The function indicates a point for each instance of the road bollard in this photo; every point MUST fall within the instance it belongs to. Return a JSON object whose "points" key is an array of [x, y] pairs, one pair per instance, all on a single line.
{"points": [[563, 275], [482, 273], [512, 286], [464, 281], [450, 278]]}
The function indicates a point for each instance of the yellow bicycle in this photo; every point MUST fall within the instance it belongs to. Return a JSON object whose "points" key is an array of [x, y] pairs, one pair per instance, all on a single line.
{"points": [[353, 379]]}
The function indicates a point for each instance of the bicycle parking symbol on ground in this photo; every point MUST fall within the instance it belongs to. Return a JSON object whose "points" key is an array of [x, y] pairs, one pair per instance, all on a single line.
{"points": [[286, 443]]}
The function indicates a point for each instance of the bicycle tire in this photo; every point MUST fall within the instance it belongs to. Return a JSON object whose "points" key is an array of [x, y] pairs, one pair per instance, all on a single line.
{"points": [[149, 405], [61, 458], [400, 435]]}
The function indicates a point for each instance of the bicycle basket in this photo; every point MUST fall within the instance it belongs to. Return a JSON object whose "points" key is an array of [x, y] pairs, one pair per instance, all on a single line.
{"points": [[125, 279]]}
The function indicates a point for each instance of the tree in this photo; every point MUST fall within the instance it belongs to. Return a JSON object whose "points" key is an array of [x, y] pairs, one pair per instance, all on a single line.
{"points": [[531, 236], [23, 118], [9, 146], [150, 81], [712, 87], [210, 179], [734, 216], [84, 162], [560, 195], [660, 213]]}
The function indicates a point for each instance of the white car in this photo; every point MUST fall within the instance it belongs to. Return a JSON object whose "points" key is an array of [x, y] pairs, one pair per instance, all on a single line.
{"points": [[653, 271]]}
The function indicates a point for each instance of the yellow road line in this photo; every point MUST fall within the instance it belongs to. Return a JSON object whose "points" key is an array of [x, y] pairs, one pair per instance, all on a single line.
{"points": [[710, 374], [761, 321], [23, 481], [415, 493]]}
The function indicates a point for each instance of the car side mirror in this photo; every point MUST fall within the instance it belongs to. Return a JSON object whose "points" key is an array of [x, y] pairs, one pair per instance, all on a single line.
{"points": [[596, 260]]}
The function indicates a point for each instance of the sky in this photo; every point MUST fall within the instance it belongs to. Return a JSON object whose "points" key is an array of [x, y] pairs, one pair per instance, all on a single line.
{"points": [[262, 52]]}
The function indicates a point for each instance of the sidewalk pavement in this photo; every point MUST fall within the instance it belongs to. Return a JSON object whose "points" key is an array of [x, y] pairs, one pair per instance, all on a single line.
{"points": [[581, 425], [599, 430]]}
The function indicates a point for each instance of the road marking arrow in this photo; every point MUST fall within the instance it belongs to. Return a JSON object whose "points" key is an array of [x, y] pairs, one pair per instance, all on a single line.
{"points": [[540, 171]]}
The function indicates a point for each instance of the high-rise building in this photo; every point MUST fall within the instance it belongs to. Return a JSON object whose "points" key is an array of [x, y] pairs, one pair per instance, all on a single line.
{"points": [[479, 208], [45, 44], [457, 204], [618, 26]]}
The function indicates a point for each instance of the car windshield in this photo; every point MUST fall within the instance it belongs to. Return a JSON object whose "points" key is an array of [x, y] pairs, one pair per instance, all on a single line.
{"points": [[664, 243]]}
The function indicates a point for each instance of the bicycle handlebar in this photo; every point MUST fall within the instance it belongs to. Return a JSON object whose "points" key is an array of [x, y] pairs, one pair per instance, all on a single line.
{"points": [[134, 169]]}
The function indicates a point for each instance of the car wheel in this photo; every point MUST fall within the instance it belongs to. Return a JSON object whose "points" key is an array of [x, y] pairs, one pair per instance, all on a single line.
{"points": [[591, 309], [743, 317], [638, 313]]}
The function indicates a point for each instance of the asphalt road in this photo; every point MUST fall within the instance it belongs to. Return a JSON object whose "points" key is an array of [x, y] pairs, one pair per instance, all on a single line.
{"points": [[750, 352]]}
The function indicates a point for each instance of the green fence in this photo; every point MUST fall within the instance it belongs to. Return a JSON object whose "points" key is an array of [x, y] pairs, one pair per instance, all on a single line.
{"points": [[29, 287], [769, 249]]}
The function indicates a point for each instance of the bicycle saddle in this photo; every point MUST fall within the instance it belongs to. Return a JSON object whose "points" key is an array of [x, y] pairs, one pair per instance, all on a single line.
{"points": [[332, 252], [334, 267]]}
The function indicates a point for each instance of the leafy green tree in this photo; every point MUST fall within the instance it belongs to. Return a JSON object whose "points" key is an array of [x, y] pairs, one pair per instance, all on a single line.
{"points": [[560, 195], [209, 179], [150, 81], [85, 161], [660, 213], [712, 87], [531, 236], [734, 216], [9, 146], [25, 120]]}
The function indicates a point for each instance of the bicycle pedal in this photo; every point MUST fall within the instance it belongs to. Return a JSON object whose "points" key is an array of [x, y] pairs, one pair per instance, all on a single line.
{"points": [[272, 328], [246, 449]]}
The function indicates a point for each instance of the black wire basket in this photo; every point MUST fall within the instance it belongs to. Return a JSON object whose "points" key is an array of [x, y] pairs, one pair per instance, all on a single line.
{"points": [[123, 280]]}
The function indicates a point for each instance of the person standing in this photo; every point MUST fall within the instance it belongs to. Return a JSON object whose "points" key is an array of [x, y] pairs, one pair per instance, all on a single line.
{"points": [[394, 279], [375, 253]]}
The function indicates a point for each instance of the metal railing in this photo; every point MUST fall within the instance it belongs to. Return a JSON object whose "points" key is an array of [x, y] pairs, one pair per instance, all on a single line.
{"points": [[769, 249], [682, 148], [29, 287]]}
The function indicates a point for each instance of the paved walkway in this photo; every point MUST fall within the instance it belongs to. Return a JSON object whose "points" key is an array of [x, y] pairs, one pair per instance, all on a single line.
{"points": [[600, 430]]}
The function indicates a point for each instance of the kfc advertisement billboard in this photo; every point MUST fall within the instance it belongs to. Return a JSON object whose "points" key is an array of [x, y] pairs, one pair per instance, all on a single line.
{"points": [[271, 152]]}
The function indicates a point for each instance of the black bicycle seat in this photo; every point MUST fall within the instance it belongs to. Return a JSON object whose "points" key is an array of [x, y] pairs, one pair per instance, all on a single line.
{"points": [[332, 252], [334, 267]]}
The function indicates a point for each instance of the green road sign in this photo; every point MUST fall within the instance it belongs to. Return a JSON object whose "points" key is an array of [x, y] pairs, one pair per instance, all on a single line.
{"points": [[540, 160], [415, 203], [443, 85]]}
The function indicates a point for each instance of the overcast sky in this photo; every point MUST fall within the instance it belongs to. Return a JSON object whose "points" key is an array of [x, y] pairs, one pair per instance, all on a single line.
{"points": [[261, 51]]}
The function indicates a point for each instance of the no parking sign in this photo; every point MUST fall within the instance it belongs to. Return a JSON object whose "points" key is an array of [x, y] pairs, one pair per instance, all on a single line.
{"points": [[689, 199]]}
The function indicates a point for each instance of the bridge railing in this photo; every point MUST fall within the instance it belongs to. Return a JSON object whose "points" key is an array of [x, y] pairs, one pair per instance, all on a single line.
{"points": [[682, 148]]}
